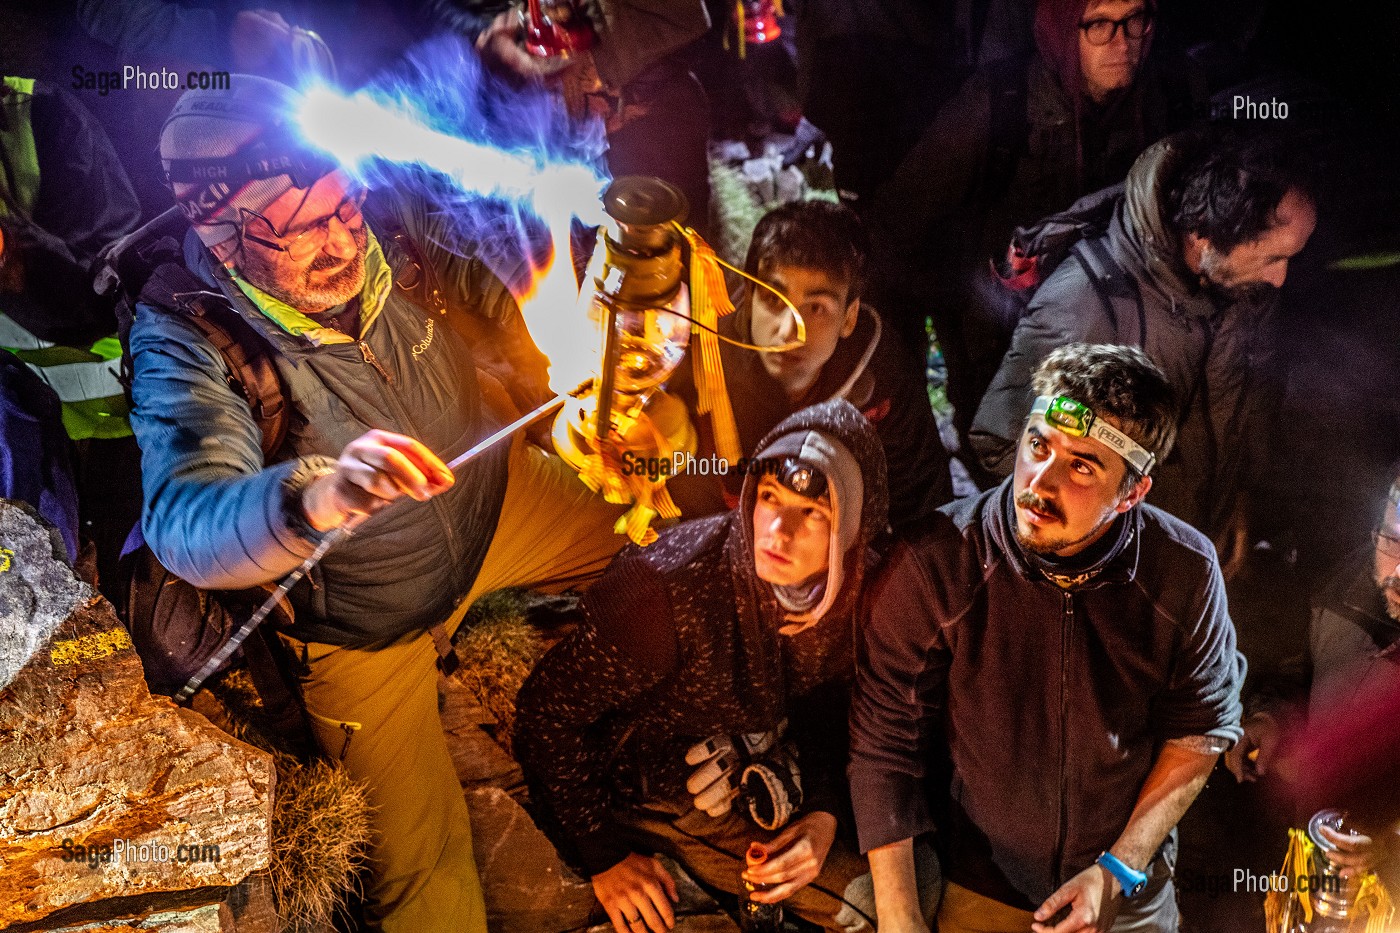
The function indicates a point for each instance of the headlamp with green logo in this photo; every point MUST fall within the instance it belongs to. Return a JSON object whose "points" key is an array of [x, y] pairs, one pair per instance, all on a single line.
{"points": [[1077, 420]]}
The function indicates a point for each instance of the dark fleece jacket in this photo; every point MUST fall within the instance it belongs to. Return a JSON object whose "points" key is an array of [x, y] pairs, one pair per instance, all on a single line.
{"points": [[1054, 702], [679, 643]]}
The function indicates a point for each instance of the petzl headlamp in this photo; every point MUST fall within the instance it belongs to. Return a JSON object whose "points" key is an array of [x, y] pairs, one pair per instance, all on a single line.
{"points": [[1077, 420]]}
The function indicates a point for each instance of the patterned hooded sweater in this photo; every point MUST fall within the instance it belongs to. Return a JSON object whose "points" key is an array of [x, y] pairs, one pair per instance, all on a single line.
{"points": [[679, 642]]}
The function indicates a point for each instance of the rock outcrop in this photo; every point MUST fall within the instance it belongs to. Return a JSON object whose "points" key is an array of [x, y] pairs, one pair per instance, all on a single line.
{"points": [[112, 802]]}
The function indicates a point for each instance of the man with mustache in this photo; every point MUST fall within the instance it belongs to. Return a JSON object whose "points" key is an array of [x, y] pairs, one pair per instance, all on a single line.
{"points": [[1068, 648], [381, 385], [1201, 240]]}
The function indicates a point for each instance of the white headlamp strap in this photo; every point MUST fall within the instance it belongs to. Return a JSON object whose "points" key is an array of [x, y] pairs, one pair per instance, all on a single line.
{"points": [[1077, 420]]}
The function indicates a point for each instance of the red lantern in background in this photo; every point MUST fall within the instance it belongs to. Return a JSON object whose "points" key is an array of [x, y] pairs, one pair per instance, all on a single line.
{"points": [[557, 29], [758, 20]]}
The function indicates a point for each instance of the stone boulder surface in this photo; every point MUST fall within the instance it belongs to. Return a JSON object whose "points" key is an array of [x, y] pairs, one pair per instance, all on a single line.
{"points": [[108, 795]]}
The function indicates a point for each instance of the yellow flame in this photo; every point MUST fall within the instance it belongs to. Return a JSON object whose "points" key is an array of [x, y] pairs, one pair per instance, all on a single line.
{"points": [[557, 314]]}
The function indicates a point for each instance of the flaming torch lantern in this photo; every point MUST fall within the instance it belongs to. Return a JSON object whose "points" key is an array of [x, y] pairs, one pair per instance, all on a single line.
{"points": [[622, 436], [556, 29]]}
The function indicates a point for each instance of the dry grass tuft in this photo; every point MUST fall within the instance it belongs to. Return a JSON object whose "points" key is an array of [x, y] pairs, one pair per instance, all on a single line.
{"points": [[320, 818], [498, 647], [320, 828]]}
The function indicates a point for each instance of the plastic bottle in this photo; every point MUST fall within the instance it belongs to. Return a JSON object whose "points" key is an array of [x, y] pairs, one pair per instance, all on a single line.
{"points": [[755, 917]]}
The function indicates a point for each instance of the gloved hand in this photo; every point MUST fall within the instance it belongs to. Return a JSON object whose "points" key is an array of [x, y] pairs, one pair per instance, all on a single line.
{"points": [[772, 787], [719, 761]]}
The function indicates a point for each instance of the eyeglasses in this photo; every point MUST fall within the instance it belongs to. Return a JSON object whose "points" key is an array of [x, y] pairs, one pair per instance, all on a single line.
{"points": [[307, 240], [1389, 545], [1103, 31]]}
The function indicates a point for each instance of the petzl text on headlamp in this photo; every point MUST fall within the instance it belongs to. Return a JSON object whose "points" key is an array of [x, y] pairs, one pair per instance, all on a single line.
{"points": [[1078, 420]]}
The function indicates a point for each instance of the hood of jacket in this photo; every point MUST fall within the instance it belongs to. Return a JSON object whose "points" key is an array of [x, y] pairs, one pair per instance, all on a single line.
{"points": [[1150, 231], [837, 425], [1057, 41]]}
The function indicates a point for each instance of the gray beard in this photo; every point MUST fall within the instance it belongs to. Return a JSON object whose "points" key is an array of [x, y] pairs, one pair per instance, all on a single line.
{"points": [[335, 291]]}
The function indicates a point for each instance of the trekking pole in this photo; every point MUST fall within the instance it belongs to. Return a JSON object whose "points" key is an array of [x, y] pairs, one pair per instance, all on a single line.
{"points": [[345, 530]]}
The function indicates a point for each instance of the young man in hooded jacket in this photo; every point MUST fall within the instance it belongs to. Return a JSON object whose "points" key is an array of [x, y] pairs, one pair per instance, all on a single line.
{"points": [[814, 252], [694, 654]]}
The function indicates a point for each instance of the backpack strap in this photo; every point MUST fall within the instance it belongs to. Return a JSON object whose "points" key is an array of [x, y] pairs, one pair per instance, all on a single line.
{"points": [[1111, 282], [245, 352]]}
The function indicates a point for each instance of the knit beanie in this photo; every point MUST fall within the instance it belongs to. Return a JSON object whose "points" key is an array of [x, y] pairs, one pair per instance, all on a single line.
{"points": [[214, 124], [846, 487]]}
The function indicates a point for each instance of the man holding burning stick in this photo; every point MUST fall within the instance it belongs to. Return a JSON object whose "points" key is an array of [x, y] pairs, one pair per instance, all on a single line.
{"points": [[1072, 646], [380, 389]]}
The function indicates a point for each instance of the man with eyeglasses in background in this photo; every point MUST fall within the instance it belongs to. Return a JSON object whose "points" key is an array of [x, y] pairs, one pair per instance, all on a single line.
{"points": [[1353, 650], [1351, 664], [1025, 138], [382, 388]]}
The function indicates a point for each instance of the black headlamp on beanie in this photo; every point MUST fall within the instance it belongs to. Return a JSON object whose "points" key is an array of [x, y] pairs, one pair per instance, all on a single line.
{"points": [[269, 155], [802, 478]]}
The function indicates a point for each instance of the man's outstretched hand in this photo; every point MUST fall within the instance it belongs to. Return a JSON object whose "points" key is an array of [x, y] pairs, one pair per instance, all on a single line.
{"points": [[637, 893], [1093, 897], [373, 470]]}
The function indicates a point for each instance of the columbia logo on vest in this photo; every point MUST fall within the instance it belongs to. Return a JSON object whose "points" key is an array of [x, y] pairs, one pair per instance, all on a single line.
{"points": [[421, 346]]}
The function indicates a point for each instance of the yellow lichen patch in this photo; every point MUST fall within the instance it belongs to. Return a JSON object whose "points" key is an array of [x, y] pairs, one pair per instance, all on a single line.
{"points": [[6, 555], [89, 647]]}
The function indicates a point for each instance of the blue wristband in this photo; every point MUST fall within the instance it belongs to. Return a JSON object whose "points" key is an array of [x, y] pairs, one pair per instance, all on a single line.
{"points": [[1132, 881]]}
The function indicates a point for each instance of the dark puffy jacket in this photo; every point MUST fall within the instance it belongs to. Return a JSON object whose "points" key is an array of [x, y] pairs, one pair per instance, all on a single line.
{"points": [[679, 643], [1216, 355], [1054, 701], [218, 517]]}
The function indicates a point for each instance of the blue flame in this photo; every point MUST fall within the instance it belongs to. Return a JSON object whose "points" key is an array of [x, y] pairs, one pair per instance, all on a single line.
{"points": [[503, 162]]}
